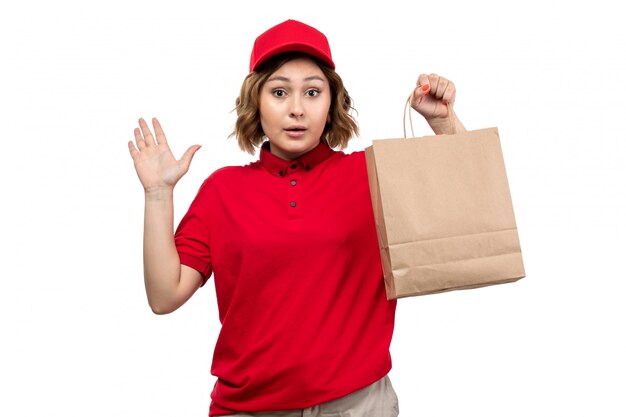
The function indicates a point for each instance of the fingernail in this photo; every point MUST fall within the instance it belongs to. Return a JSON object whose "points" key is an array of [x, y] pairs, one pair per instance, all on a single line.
{"points": [[444, 102], [425, 87]]}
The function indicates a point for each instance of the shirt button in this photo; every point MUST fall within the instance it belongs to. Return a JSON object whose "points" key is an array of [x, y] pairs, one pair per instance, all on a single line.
{"points": [[293, 182], [293, 204]]}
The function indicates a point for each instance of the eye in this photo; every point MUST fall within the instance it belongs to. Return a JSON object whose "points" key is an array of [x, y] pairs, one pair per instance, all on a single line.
{"points": [[312, 93], [279, 92]]}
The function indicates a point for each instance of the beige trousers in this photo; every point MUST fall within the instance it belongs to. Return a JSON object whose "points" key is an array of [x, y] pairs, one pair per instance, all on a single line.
{"points": [[376, 400]]}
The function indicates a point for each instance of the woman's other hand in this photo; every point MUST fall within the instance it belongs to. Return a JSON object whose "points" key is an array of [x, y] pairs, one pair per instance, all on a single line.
{"points": [[433, 98]]}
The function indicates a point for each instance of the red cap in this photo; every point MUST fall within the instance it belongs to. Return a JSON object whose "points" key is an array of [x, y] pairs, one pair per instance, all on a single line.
{"points": [[290, 36]]}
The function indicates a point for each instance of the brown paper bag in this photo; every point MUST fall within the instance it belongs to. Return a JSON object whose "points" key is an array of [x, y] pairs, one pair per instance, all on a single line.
{"points": [[443, 213]]}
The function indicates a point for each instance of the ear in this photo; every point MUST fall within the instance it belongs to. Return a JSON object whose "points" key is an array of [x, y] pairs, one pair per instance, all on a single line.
{"points": [[328, 118]]}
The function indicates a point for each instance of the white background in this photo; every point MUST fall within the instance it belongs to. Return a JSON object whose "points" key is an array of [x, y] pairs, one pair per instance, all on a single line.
{"points": [[78, 338]]}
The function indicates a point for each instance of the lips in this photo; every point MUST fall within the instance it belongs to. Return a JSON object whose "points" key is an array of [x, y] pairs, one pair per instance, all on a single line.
{"points": [[295, 131], [295, 128]]}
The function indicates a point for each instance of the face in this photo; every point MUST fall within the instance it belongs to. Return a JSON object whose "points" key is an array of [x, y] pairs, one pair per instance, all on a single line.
{"points": [[294, 107]]}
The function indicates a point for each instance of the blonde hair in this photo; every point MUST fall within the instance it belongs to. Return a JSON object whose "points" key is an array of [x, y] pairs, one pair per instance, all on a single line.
{"points": [[341, 128]]}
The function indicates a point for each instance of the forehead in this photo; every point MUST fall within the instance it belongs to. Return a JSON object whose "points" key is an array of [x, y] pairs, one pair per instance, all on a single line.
{"points": [[297, 68]]}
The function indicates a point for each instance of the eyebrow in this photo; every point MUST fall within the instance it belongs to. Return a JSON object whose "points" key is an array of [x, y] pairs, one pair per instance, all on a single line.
{"points": [[285, 79]]}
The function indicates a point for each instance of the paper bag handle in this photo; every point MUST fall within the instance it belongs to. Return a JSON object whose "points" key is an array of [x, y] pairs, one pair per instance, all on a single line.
{"points": [[407, 105]]}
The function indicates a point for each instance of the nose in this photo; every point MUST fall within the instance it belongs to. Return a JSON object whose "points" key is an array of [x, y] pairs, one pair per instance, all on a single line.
{"points": [[296, 108]]}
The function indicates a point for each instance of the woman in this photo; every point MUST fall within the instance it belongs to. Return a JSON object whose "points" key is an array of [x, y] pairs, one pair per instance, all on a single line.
{"points": [[290, 239]]}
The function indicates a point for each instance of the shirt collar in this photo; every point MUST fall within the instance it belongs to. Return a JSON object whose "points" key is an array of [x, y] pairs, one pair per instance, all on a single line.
{"points": [[280, 167]]}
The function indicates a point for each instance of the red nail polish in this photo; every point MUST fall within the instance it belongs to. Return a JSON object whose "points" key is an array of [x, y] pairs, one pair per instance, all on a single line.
{"points": [[444, 102], [425, 87]]}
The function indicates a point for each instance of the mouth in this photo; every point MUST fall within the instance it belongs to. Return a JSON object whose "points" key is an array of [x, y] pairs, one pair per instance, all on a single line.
{"points": [[295, 131]]}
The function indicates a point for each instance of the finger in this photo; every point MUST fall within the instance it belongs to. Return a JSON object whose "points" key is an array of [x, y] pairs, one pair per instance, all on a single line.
{"points": [[131, 148], [433, 79], [147, 135], [450, 94], [442, 85], [185, 160], [423, 80], [141, 144], [158, 131], [419, 92], [421, 89]]}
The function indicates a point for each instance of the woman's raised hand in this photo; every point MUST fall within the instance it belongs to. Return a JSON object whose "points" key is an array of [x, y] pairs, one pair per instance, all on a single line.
{"points": [[154, 162]]}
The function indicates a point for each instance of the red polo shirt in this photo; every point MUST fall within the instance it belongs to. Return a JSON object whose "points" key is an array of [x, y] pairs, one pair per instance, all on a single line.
{"points": [[292, 246]]}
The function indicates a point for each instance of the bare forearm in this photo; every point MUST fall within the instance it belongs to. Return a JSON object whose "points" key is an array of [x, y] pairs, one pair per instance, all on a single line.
{"points": [[161, 262], [168, 284]]}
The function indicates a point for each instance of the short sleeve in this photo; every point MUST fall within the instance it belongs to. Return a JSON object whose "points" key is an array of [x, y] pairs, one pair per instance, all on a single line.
{"points": [[193, 232]]}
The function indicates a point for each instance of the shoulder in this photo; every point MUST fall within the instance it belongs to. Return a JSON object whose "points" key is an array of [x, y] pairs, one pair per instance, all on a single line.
{"points": [[230, 173], [354, 158], [227, 176], [348, 165], [356, 155]]}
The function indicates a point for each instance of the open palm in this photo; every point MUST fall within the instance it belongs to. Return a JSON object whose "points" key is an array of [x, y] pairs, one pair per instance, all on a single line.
{"points": [[154, 162]]}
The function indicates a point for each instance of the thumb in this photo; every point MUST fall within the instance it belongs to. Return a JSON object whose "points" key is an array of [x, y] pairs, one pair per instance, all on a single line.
{"points": [[420, 91], [418, 95], [423, 79], [188, 156], [422, 88]]}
